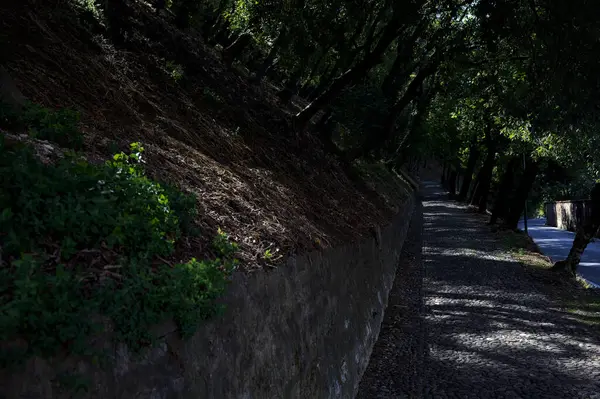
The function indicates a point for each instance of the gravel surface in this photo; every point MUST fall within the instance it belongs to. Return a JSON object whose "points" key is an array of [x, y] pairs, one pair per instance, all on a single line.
{"points": [[485, 330], [490, 332], [395, 367]]}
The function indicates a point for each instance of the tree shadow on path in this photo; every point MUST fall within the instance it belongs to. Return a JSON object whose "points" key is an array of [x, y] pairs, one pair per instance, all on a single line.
{"points": [[491, 332]]}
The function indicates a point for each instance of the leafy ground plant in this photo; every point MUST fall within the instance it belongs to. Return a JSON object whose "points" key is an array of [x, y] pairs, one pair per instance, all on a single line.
{"points": [[59, 126], [79, 239]]}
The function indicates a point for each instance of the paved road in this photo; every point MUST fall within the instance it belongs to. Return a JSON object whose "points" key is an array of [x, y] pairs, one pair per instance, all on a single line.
{"points": [[490, 332], [556, 243]]}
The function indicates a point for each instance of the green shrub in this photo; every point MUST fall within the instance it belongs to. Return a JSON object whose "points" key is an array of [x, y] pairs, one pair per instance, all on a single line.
{"points": [[174, 70], [79, 239], [60, 126]]}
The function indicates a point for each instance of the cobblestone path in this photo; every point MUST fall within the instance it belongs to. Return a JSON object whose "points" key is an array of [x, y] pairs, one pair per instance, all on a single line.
{"points": [[488, 331], [491, 333]]}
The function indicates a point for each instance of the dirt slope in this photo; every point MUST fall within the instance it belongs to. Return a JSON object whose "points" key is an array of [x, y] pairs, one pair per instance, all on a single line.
{"points": [[208, 130]]}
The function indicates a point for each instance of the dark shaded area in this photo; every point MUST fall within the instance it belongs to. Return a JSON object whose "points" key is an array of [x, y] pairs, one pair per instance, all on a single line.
{"points": [[396, 365]]}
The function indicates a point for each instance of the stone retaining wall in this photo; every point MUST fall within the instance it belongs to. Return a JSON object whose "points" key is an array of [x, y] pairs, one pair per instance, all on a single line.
{"points": [[567, 215], [305, 330]]}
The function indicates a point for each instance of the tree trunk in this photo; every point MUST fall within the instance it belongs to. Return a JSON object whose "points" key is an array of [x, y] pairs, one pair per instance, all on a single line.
{"points": [[448, 176], [483, 180], [314, 70], [324, 81], [303, 117], [468, 176], [211, 25], [484, 189], [379, 138], [345, 59], [484, 177], [452, 183], [324, 129], [443, 178], [458, 179], [518, 204], [236, 48], [414, 126], [399, 70], [353, 74], [504, 190], [290, 88], [270, 59], [486, 182], [582, 238]]}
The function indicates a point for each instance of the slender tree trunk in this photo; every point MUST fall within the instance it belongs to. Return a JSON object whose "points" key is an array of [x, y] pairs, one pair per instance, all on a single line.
{"points": [[473, 192], [448, 176], [504, 190], [325, 128], [518, 204], [270, 59], [452, 183], [583, 237], [468, 175], [291, 86], [415, 123], [212, 24], [484, 177], [236, 48], [314, 70], [483, 180], [221, 35], [443, 177], [484, 187], [345, 59], [486, 180], [399, 70], [458, 179], [324, 81]]}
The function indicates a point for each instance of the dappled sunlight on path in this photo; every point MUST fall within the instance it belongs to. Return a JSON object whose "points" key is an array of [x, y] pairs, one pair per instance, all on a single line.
{"points": [[491, 333]]}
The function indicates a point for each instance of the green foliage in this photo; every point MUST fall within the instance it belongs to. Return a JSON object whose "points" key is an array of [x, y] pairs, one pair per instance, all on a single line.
{"points": [[239, 17], [90, 8], [85, 205], [175, 70], [48, 310], [223, 245], [60, 126], [268, 255], [80, 240]]}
